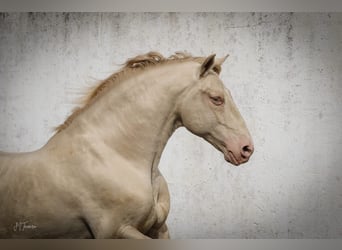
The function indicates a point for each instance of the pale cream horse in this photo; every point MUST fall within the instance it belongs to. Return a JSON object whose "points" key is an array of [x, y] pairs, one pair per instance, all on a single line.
{"points": [[98, 175]]}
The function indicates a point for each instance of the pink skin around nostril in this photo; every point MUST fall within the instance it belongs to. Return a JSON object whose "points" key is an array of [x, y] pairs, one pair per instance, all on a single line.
{"points": [[240, 149]]}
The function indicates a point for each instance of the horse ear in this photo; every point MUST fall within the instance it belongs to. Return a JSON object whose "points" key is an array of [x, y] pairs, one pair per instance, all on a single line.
{"points": [[220, 61], [207, 65], [218, 64]]}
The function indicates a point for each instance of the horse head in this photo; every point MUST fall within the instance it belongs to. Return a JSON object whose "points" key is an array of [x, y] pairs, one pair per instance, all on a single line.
{"points": [[207, 109]]}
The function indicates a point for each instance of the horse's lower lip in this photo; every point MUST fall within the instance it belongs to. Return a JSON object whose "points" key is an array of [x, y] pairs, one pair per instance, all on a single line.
{"points": [[229, 157]]}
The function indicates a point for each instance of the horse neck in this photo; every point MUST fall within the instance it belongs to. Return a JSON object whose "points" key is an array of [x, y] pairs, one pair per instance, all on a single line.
{"points": [[135, 118]]}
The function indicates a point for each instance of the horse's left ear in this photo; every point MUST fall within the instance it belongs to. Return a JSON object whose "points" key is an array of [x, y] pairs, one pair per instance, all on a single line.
{"points": [[207, 65], [218, 63]]}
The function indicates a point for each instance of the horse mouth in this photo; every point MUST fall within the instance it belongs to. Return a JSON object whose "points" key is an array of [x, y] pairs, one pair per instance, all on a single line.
{"points": [[229, 157], [228, 154]]}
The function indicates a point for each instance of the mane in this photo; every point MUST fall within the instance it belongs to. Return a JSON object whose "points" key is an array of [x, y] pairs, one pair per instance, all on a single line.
{"points": [[130, 67]]}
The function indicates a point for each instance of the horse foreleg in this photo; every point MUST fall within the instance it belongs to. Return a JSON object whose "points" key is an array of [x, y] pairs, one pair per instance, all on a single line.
{"points": [[163, 232], [160, 233], [130, 232], [105, 231]]}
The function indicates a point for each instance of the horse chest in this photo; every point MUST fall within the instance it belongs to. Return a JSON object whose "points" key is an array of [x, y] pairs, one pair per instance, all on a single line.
{"points": [[136, 202]]}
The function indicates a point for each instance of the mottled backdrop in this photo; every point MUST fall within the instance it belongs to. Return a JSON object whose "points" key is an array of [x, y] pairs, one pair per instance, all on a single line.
{"points": [[285, 74]]}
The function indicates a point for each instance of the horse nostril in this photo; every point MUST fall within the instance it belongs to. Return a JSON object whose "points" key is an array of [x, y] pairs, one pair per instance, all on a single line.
{"points": [[246, 151]]}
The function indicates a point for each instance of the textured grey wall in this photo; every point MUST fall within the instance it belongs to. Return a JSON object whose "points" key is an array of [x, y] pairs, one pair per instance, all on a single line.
{"points": [[285, 74]]}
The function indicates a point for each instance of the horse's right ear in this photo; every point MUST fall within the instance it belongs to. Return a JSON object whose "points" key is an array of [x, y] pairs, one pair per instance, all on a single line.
{"points": [[207, 65]]}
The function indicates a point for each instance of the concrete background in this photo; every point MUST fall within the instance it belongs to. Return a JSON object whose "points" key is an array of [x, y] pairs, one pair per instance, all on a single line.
{"points": [[284, 72]]}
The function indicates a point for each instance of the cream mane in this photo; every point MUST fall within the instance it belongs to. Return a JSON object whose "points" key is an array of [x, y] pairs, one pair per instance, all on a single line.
{"points": [[131, 66]]}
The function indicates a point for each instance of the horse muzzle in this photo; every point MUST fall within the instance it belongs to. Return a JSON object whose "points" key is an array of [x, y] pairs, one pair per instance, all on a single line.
{"points": [[240, 151]]}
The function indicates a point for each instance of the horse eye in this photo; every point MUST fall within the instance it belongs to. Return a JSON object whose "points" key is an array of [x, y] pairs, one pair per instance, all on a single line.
{"points": [[217, 100]]}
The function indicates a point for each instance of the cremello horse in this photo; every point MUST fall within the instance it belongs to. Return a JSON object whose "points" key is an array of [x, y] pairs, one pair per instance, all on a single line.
{"points": [[98, 176]]}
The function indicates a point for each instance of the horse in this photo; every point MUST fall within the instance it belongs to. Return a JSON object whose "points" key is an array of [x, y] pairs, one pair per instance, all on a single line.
{"points": [[98, 176]]}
